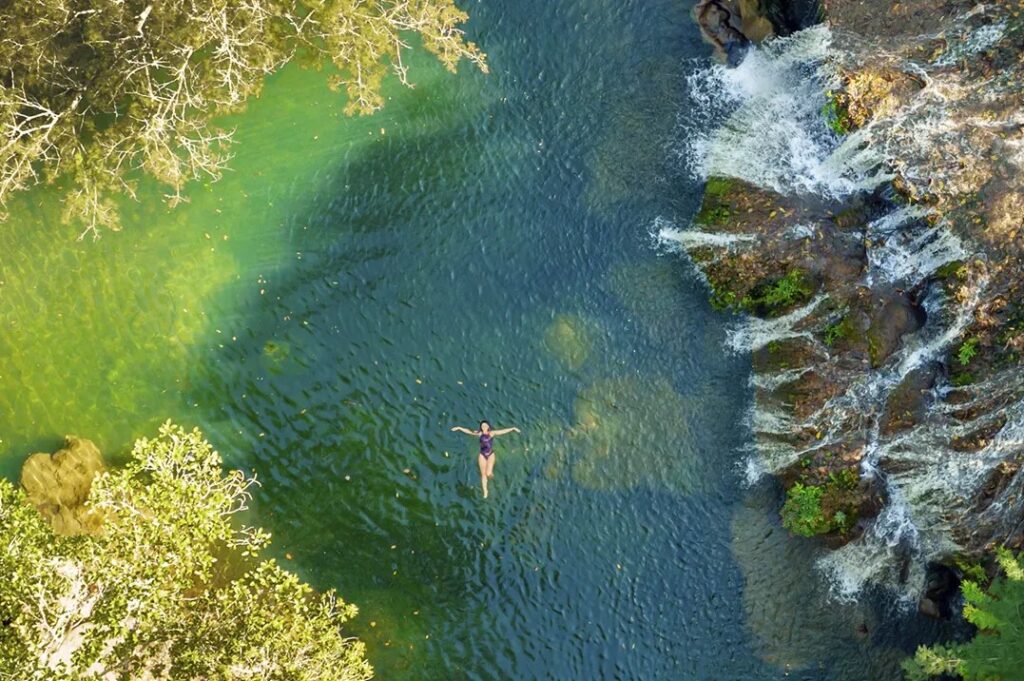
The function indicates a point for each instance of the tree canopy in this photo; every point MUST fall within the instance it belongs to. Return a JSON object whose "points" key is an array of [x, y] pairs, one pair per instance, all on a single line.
{"points": [[170, 587], [996, 653], [95, 91]]}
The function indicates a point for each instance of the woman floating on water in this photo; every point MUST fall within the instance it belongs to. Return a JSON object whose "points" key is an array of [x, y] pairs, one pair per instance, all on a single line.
{"points": [[486, 458]]}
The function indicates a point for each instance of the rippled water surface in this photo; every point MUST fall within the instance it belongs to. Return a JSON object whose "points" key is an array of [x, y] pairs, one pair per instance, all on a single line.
{"points": [[480, 249]]}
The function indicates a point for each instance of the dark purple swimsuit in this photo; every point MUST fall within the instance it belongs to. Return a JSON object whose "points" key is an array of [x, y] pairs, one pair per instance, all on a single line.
{"points": [[485, 445]]}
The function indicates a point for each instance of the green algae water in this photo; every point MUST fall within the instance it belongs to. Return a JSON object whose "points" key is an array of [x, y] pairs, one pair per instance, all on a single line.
{"points": [[480, 249]]}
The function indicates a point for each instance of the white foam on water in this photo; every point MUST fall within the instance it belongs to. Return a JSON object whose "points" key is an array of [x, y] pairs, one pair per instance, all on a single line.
{"points": [[907, 249], [927, 347], [977, 41], [694, 238], [800, 231], [753, 333], [771, 422], [771, 381], [878, 557]]}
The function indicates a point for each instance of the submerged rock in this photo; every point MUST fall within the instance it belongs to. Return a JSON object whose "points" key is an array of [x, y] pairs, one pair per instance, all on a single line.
{"points": [[58, 485], [788, 610], [276, 354], [569, 340], [632, 432]]}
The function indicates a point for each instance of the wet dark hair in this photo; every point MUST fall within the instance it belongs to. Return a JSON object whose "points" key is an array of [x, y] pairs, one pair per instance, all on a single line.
{"points": [[482, 424]]}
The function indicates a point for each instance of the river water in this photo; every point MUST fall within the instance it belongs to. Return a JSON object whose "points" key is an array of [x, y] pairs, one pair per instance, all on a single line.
{"points": [[480, 249]]}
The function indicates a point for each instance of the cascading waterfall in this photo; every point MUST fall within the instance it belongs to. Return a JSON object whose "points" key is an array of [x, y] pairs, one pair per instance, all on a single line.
{"points": [[761, 122]]}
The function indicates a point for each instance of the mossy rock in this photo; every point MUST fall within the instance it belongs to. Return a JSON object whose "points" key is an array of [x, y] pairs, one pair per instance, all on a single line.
{"points": [[58, 485], [569, 338], [781, 355], [717, 207], [276, 354], [624, 430]]}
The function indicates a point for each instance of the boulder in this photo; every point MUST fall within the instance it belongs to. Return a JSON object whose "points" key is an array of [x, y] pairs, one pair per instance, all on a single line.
{"points": [[893, 318], [908, 402]]}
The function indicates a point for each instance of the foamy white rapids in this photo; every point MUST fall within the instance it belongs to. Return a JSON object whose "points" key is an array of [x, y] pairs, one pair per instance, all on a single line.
{"points": [[766, 126], [973, 43], [694, 238], [753, 333], [885, 554], [926, 346], [907, 249], [773, 381]]}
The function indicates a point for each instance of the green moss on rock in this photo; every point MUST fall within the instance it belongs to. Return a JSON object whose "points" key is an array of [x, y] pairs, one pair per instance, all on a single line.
{"points": [[831, 506]]}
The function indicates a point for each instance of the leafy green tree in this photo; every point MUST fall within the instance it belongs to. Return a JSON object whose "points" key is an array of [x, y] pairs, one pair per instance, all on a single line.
{"points": [[996, 653], [93, 92], [169, 588]]}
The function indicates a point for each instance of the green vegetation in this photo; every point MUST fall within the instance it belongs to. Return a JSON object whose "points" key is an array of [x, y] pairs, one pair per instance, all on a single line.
{"points": [[996, 653], [838, 330], [722, 300], [836, 116], [768, 299], [776, 297], [96, 93], [971, 570], [954, 269], [168, 588], [968, 350], [802, 513], [718, 186], [961, 379], [819, 509], [715, 208]]}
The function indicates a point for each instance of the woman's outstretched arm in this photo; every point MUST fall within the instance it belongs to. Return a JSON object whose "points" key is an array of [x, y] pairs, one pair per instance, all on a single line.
{"points": [[467, 431], [504, 431]]}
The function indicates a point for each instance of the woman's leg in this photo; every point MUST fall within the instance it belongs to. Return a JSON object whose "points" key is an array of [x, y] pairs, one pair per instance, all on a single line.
{"points": [[482, 461], [490, 465]]}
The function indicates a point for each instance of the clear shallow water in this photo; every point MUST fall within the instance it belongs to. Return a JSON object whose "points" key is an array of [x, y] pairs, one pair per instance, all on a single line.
{"points": [[478, 250]]}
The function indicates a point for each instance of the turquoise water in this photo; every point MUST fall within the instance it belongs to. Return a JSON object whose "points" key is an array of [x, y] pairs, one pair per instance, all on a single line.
{"points": [[480, 249]]}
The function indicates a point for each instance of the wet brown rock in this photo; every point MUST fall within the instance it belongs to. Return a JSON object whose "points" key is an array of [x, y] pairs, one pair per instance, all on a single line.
{"points": [[978, 438], [721, 25], [731, 25], [877, 92], [908, 402], [58, 485], [790, 353], [955, 148], [808, 393], [893, 317], [904, 19]]}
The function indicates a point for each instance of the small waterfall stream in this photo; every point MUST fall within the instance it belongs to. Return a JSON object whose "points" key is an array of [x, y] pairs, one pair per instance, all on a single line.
{"points": [[762, 122]]}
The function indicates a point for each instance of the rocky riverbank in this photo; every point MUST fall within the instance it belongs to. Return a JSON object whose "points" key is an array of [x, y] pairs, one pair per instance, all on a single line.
{"points": [[876, 248]]}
